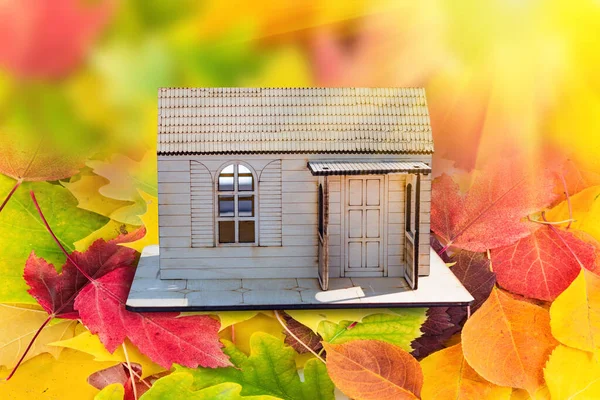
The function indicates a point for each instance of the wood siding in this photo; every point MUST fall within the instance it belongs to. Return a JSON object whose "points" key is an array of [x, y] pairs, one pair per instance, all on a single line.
{"points": [[269, 204], [202, 198]]}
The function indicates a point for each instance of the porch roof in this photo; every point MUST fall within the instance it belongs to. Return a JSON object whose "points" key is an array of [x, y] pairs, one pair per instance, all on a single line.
{"points": [[318, 168]]}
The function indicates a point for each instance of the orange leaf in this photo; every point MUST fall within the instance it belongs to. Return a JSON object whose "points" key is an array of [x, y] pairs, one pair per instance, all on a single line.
{"points": [[370, 369], [508, 342], [448, 376]]}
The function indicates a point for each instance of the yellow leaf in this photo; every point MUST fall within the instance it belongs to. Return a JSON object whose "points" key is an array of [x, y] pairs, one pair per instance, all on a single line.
{"points": [[90, 344], [21, 322], [586, 211], [86, 191], [116, 391], [227, 318], [575, 314], [448, 376], [312, 318], [109, 231], [572, 374], [150, 220], [541, 394], [44, 377]]}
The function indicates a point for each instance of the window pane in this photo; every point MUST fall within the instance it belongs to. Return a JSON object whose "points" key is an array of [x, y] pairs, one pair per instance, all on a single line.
{"points": [[228, 170], [226, 206], [243, 170], [245, 183], [226, 183], [226, 232], [246, 206], [246, 231]]}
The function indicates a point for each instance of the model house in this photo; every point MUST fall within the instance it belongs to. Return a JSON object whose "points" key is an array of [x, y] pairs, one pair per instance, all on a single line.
{"points": [[258, 183]]}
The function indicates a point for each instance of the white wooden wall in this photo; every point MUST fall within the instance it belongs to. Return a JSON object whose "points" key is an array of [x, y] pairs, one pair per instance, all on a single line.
{"points": [[396, 224], [174, 206], [202, 200], [424, 229]]}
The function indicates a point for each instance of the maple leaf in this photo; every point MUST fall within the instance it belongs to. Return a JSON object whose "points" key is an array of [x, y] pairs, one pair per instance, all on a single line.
{"points": [[543, 264], [46, 377], [304, 333], [178, 386], [269, 370], [370, 369], [21, 231], [489, 215], [572, 374], [150, 221], [400, 328], [55, 39], [519, 334], [111, 392], [24, 323], [447, 375], [190, 341], [120, 374], [56, 292], [313, 319]]}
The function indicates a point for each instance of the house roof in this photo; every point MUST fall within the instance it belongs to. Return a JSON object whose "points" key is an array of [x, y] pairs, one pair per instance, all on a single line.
{"points": [[293, 120], [322, 168]]}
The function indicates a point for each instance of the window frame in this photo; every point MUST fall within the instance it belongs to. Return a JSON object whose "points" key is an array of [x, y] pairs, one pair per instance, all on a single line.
{"points": [[236, 194], [408, 211]]}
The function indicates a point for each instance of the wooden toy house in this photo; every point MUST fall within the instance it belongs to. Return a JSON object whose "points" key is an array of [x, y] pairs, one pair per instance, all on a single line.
{"points": [[257, 183]]}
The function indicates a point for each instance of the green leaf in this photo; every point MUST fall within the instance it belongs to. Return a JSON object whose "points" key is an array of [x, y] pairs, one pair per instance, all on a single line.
{"points": [[116, 391], [400, 328], [269, 370], [178, 386], [21, 231]]}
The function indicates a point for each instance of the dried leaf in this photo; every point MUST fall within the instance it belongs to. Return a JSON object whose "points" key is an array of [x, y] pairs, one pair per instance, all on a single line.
{"points": [[164, 338], [21, 322], [304, 333], [489, 215], [508, 342], [573, 374], [474, 272], [120, 374], [543, 264], [575, 314], [370, 369], [448, 376], [56, 292], [441, 324]]}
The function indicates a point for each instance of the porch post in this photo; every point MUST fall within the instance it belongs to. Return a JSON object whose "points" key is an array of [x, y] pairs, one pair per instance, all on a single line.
{"points": [[325, 277], [417, 251]]}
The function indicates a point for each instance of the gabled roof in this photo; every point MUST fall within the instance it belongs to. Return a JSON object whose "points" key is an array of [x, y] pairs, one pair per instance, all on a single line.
{"points": [[293, 120]]}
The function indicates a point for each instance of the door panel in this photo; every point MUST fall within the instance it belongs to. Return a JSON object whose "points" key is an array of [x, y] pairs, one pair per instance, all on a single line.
{"points": [[364, 225]]}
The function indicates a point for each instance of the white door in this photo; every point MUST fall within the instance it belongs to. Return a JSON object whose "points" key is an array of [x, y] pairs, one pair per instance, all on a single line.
{"points": [[364, 242]]}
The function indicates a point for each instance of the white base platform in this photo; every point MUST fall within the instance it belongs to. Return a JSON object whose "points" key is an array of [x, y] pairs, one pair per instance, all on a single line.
{"points": [[150, 293]]}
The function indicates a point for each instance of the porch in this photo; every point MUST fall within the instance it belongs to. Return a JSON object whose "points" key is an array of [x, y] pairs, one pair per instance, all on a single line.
{"points": [[150, 293]]}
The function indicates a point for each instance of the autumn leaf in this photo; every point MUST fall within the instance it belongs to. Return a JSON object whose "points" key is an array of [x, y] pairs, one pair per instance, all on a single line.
{"points": [[313, 319], [572, 374], [165, 339], [370, 369], [19, 224], [123, 376], [177, 386], [543, 264], [578, 177], [46, 378], [304, 333], [400, 328], [508, 342], [111, 392], [56, 39], [474, 272], [21, 322], [269, 370], [448, 376], [108, 232], [56, 292], [585, 210], [88, 343], [441, 324], [490, 214], [575, 314], [150, 221]]}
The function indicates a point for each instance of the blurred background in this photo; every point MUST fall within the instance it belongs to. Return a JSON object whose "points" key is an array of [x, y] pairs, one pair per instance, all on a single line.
{"points": [[502, 76]]}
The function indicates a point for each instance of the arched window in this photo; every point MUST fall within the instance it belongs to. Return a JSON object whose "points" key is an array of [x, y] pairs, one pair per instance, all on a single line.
{"points": [[236, 205]]}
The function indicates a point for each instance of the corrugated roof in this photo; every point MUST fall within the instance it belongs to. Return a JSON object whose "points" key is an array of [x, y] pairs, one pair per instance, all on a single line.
{"points": [[366, 167], [293, 120]]}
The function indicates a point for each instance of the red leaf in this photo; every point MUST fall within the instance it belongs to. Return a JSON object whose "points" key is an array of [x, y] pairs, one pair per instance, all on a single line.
{"points": [[120, 374], [56, 292], [304, 333], [489, 215], [48, 38], [189, 341], [543, 264]]}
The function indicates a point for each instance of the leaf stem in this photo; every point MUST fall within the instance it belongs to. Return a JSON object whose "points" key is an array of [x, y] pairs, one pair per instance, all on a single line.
{"points": [[10, 194], [131, 376], [562, 178], [138, 376], [443, 250], [29, 346], [282, 322]]}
